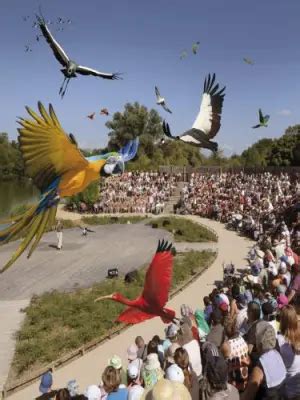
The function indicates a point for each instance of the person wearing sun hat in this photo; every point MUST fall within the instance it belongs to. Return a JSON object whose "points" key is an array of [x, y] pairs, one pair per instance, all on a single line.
{"points": [[174, 373], [132, 356], [116, 362], [92, 392], [151, 371], [135, 390], [167, 390]]}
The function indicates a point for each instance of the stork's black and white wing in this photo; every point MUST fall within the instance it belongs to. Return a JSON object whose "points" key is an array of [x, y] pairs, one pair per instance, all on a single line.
{"points": [[209, 117], [58, 51], [90, 71], [166, 108], [157, 93], [167, 131]]}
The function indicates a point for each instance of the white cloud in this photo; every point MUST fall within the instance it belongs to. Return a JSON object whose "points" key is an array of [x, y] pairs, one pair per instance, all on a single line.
{"points": [[285, 112]]}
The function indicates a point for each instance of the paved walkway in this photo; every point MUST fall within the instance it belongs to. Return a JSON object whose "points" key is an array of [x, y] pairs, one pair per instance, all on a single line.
{"points": [[11, 319], [88, 369], [82, 261]]}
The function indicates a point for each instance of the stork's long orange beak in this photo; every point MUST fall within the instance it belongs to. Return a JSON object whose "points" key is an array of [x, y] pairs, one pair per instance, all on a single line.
{"points": [[110, 296]]}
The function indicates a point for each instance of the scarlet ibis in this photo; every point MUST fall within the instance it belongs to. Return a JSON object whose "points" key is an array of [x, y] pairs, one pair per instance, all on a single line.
{"points": [[152, 301], [208, 121]]}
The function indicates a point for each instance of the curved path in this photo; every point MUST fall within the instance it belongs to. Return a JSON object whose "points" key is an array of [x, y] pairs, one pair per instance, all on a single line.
{"points": [[88, 369]]}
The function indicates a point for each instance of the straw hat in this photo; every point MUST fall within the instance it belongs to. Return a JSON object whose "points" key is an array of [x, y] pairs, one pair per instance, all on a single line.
{"points": [[167, 390], [152, 362]]}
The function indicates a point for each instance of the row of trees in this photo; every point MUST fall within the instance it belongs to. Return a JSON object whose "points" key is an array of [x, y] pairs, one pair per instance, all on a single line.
{"points": [[11, 163], [137, 120]]}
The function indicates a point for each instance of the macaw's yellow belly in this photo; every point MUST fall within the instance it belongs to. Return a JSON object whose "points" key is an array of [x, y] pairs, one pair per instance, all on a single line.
{"points": [[73, 182]]}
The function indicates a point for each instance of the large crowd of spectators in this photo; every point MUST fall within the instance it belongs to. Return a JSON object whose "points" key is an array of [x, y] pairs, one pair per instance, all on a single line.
{"points": [[253, 204], [134, 192], [243, 342]]}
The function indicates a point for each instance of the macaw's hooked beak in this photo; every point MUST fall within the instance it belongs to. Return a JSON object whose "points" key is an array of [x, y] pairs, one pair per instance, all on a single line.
{"points": [[115, 168], [110, 296]]}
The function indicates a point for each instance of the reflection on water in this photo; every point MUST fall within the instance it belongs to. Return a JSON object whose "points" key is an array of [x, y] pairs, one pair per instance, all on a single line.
{"points": [[16, 193]]}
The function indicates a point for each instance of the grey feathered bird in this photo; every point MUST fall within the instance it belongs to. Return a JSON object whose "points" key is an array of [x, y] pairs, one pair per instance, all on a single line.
{"points": [[208, 121], [70, 68], [161, 100]]}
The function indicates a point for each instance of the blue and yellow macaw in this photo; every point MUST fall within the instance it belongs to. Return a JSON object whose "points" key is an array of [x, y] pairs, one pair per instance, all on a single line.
{"points": [[58, 168]]}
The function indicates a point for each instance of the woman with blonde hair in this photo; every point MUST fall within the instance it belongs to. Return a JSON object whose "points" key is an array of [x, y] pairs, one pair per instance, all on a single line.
{"points": [[289, 348], [111, 383], [181, 358]]}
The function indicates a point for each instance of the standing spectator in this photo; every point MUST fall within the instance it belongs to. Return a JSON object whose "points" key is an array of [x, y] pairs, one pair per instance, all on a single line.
{"points": [[132, 355], [92, 392], [216, 334], [45, 387], [116, 363], [267, 377], [235, 351], [295, 286], [151, 372], [111, 382], [214, 385], [289, 348], [135, 390], [142, 348], [181, 358], [59, 235], [191, 345]]}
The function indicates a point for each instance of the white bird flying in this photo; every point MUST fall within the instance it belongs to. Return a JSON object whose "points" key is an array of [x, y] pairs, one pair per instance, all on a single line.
{"points": [[208, 121], [161, 100]]}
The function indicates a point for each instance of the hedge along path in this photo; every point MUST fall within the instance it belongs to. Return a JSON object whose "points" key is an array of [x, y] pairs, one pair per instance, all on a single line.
{"points": [[88, 368]]}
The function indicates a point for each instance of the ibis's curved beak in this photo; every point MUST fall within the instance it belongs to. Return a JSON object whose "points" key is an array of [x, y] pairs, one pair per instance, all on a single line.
{"points": [[110, 296]]}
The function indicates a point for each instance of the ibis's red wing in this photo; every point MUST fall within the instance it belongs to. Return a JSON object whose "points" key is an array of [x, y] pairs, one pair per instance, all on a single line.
{"points": [[133, 316], [158, 278]]}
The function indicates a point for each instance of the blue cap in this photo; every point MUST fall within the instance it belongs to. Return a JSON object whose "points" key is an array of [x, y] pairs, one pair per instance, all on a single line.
{"points": [[46, 382]]}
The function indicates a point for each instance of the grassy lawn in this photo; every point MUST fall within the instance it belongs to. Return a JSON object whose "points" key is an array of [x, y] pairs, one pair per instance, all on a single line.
{"points": [[107, 220], [57, 323], [184, 230]]}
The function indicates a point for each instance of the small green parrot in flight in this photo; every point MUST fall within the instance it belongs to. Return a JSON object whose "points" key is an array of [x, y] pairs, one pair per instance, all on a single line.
{"points": [[263, 120]]}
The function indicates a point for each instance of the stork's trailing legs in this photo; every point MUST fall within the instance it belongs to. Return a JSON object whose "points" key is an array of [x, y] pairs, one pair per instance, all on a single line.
{"points": [[64, 86], [67, 83]]}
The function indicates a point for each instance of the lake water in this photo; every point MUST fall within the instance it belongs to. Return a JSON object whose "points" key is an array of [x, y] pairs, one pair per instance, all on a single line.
{"points": [[15, 193]]}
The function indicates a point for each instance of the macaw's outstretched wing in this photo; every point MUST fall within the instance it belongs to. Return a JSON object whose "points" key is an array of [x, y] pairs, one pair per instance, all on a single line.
{"points": [[129, 151], [48, 152], [159, 276]]}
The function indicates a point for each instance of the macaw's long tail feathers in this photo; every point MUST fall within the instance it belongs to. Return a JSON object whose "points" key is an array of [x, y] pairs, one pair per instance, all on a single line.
{"points": [[31, 225]]}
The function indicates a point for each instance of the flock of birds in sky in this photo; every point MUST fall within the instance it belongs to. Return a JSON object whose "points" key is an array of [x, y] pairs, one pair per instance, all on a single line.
{"points": [[54, 162], [207, 123]]}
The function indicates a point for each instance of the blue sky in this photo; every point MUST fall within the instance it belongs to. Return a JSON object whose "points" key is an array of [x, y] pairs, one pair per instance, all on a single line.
{"points": [[144, 39]]}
